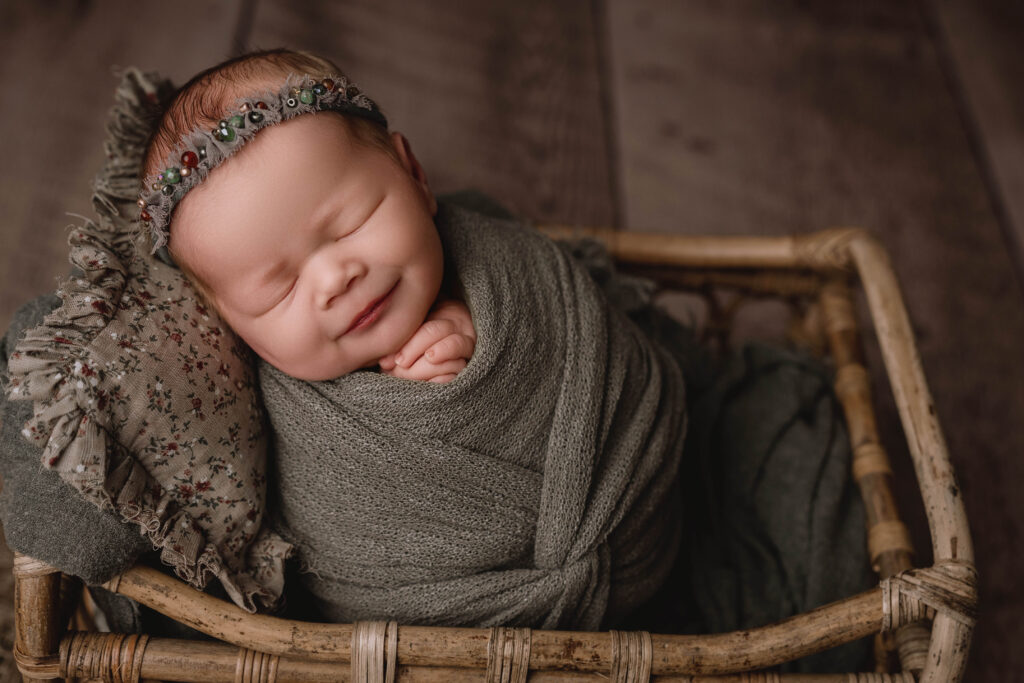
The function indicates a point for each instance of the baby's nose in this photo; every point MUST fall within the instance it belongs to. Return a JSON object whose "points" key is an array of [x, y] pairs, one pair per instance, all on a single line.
{"points": [[335, 279]]}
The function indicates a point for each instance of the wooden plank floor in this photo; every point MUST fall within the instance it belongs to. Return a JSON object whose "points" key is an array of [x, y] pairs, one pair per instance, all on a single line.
{"points": [[696, 117], [983, 45], [503, 96]]}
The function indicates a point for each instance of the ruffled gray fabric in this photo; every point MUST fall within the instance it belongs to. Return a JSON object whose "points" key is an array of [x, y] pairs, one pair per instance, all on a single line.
{"points": [[537, 488], [44, 517], [142, 400]]}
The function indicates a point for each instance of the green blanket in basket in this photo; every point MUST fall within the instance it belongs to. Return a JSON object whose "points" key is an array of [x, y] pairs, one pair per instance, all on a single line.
{"points": [[537, 488]]}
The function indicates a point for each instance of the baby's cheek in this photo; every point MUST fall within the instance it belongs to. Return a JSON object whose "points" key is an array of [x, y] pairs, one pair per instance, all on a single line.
{"points": [[281, 344]]}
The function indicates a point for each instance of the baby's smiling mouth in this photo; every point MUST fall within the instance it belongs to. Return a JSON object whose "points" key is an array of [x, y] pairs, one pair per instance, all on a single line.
{"points": [[371, 312]]}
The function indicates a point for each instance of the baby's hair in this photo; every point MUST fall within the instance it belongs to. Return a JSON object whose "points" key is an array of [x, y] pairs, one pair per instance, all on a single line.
{"points": [[208, 95]]}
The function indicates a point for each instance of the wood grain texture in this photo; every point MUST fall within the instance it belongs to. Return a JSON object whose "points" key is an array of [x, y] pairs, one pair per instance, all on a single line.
{"points": [[58, 76], [501, 96], [983, 39], [769, 118], [819, 629]]}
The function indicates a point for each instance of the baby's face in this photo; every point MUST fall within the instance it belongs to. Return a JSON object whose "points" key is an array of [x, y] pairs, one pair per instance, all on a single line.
{"points": [[318, 250]]}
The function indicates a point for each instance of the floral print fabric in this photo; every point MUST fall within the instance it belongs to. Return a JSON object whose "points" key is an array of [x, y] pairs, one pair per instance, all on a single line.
{"points": [[147, 404]]}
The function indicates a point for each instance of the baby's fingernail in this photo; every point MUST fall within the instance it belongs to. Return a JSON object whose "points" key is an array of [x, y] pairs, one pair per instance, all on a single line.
{"points": [[399, 359]]}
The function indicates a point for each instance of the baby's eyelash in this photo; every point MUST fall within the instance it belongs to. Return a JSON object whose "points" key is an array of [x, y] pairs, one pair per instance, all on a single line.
{"points": [[288, 292]]}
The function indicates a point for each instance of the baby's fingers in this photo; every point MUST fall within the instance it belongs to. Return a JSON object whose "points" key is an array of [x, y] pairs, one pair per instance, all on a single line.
{"points": [[452, 346], [387, 362], [430, 332], [425, 370]]}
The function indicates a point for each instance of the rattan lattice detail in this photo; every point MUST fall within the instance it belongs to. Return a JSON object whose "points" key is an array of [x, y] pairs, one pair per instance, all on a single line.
{"points": [[374, 651], [256, 667], [27, 566], [888, 536], [632, 652], [912, 641], [114, 657], [950, 587], [508, 655], [870, 458], [827, 248]]}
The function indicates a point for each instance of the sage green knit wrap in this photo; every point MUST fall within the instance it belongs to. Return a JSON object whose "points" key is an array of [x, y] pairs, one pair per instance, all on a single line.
{"points": [[537, 488]]}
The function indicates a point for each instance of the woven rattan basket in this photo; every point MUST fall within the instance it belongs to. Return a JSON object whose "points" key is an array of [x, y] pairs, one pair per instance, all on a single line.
{"points": [[922, 617]]}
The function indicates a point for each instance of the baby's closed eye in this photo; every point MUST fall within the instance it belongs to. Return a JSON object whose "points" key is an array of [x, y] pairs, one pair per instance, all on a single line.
{"points": [[284, 290]]}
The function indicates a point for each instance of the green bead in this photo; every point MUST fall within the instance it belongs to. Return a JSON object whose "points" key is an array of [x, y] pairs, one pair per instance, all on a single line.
{"points": [[172, 175], [237, 121], [225, 134], [307, 96]]}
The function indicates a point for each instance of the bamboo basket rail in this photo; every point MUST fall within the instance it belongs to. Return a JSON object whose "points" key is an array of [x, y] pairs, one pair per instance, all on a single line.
{"points": [[928, 612]]}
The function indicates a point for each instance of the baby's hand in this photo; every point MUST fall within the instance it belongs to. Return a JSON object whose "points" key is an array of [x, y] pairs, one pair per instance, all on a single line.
{"points": [[439, 350]]}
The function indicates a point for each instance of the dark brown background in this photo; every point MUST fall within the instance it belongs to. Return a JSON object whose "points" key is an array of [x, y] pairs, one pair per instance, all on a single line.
{"points": [[905, 117]]}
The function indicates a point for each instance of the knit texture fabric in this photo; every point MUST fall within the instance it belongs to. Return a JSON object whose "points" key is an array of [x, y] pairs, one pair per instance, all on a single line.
{"points": [[537, 488]]}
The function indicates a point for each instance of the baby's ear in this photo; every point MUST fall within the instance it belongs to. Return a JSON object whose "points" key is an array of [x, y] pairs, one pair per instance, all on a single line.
{"points": [[412, 165]]}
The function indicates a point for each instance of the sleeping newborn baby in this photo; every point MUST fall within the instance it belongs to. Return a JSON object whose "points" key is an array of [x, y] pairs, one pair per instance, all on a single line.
{"points": [[318, 245], [465, 431]]}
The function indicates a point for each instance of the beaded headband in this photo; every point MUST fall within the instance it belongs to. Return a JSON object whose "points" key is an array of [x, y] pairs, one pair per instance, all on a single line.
{"points": [[202, 150]]}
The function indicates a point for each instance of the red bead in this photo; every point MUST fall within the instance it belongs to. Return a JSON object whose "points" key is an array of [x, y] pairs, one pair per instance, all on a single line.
{"points": [[144, 215], [261, 105], [329, 84], [190, 159]]}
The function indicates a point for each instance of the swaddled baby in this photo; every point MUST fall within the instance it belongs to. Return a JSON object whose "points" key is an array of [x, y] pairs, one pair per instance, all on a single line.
{"points": [[466, 432]]}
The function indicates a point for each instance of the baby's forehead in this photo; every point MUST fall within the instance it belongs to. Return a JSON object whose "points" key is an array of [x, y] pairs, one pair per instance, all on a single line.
{"points": [[304, 144], [298, 161]]}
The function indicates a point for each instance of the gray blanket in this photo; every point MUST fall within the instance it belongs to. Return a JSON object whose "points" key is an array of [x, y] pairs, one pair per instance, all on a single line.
{"points": [[537, 488], [774, 524]]}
